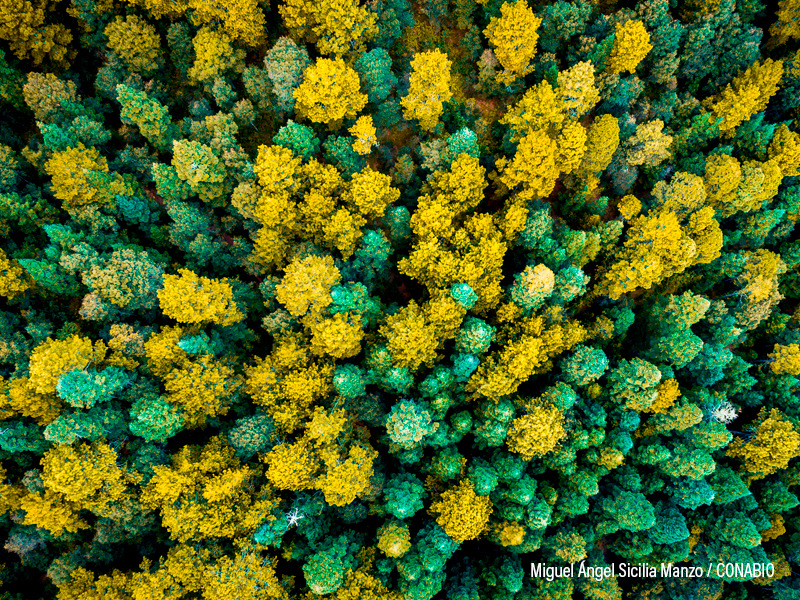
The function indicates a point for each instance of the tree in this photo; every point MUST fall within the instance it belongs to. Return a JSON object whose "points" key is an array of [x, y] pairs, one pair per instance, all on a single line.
{"points": [[12, 277], [514, 37], [537, 432], [576, 89], [188, 298], [601, 143], [242, 20], [649, 145], [306, 285], [365, 135], [461, 513], [785, 359], [631, 45], [747, 94], [137, 43], [284, 65], [337, 28], [68, 170], [320, 100], [775, 443], [214, 55], [533, 166], [150, 116], [202, 388], [429, 88], [375, 70]]}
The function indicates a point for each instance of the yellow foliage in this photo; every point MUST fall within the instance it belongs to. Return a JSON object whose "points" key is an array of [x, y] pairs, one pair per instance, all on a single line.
{"points": [[162, 350], [214, 55], [22, 25], [722, 178], [68, 171], [571, 144], [86, 475], [631, 45], [343, 231], [667, 393], [760, 274], [776, 442], [370, 192], [306, 285], [576, 89], [43, 94], [338, 336], [704, 229], [649, 145], [510, 533], [533, 165], [394, 539], [629, 206], [291, 466], [410, 338], [188, 298], [277, 169], [429, 88], [785, 360], [49, 510], [776, 528], [785, 150], [336, 27], [539, 110], [13, 278], [22, 399], [247, 576], [330, 92], [136, 42], [51, 358], [345, 481], [359, 585], [205, 492], [365, 135], [514, 38], [82, 585], [602, 141], [242, 20], [747, 94], [786, 25], [462, 513], [203, 388], [538, 432], [326, 426]]}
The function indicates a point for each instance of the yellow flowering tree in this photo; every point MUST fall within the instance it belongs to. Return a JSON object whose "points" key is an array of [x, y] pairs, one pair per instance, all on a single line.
{"points": [[513, 36], [429, 88], [461, 513], [330, 92], [189, 298], [631, 45]]}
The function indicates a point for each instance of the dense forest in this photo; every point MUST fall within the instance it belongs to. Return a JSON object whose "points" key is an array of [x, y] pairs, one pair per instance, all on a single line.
{"points": [[389, 300]]}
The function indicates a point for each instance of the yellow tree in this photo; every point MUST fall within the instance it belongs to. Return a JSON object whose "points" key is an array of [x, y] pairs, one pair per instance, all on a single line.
{"points": [[330, 92], [205, 492], [136, 42], [537, 432], [68, 169], [533, 165], [602, 141], [214, 55], [576, 89], [461, 513], [202, 388], [785, 149], [306, 285], [429, 88], [337, 27], [649, 145], [747, 94], [370, 192], [87, 475], [513, 35], [365, 135], [189, 298], [13, 278], [242, 20], [776, 442], [631, 45], [785, 359]]}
